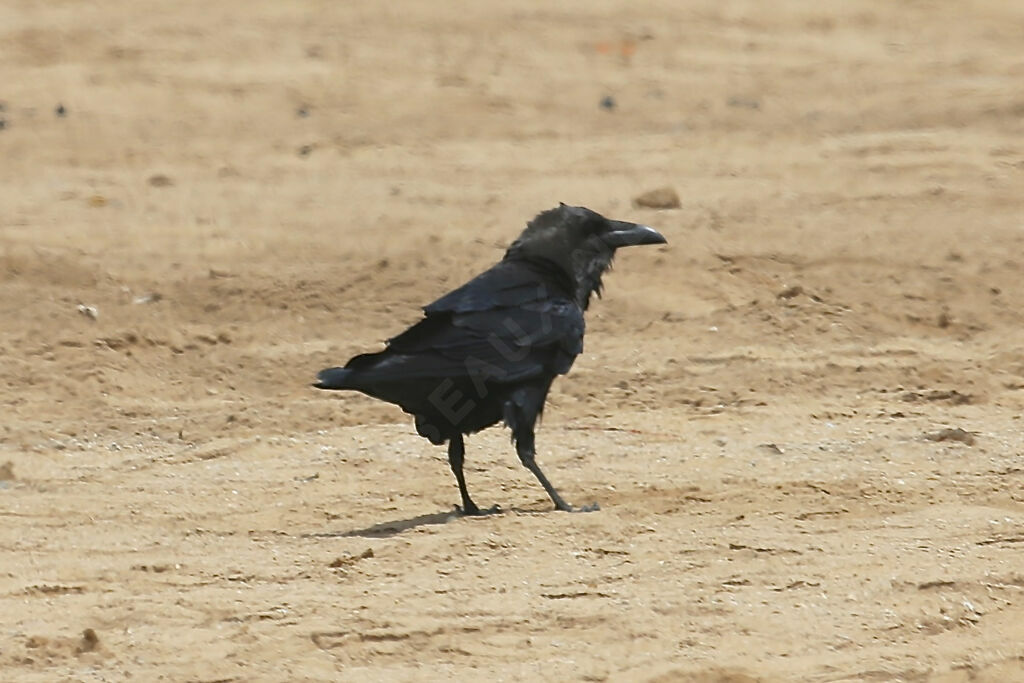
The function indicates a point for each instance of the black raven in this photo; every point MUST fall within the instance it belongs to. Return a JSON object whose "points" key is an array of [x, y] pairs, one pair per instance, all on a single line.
{"points": [[489, 350]]}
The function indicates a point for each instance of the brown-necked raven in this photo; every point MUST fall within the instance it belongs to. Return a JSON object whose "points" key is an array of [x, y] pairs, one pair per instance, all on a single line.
{"points": [[489, 350]]}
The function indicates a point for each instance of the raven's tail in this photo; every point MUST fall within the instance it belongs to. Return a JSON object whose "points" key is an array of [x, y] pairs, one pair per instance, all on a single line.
{"points": [[334, 378]]}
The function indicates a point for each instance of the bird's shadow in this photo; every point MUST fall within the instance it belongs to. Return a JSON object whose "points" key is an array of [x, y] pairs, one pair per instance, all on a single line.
{"points": [[393, 527], [397, 526]]}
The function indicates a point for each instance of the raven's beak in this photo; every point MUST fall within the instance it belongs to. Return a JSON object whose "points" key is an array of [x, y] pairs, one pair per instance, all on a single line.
{"points": [[625, 234]]}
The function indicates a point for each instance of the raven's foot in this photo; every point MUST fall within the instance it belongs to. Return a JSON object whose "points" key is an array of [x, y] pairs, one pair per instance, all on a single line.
{"points": [[474, 511], [565, 507]]}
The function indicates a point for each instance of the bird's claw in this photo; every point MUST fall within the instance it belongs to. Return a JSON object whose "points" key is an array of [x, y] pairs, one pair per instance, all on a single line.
{"points": [[477, 512]]}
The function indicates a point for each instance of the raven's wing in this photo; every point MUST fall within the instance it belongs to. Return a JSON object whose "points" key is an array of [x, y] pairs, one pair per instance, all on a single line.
{"points": [[504, 344], [507, 283]]}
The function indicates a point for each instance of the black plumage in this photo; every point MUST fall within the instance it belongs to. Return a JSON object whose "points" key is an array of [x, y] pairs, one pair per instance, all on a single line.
{"points": [[489, 350]]}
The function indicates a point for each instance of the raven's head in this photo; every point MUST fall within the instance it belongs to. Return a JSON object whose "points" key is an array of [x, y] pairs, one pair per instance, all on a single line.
{"points": [[581, 243]]}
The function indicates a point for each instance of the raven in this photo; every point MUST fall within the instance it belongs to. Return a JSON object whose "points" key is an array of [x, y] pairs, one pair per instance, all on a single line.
{"points": [[489, 350]]}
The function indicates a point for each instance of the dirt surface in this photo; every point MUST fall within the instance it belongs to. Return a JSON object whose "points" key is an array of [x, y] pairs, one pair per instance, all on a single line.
{"points": [[801, 417]]}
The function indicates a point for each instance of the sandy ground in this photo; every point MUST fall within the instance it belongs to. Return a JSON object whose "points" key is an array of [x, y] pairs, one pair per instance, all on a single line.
{"points": [[801, 417]]}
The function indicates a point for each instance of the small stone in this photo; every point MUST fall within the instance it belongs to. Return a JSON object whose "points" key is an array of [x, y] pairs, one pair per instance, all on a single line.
{"points": [[90, 312], [790, 292], [148, 298], [90, 641], [948, 434], [661, 198]]}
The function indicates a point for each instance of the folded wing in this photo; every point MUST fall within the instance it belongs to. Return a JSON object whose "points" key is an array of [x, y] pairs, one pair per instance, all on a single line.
{"points": [[506, 344]]}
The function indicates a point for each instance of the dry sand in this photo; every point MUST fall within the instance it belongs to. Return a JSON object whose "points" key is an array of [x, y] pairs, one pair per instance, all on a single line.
{"points": [[801, 417]]}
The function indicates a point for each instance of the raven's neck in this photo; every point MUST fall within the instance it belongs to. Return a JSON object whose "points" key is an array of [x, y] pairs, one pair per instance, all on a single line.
{"points": [[578, 287], [589, 267]]}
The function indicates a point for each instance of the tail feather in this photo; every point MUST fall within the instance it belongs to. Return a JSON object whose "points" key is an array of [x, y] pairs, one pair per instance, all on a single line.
{"points": [[334, 378]]}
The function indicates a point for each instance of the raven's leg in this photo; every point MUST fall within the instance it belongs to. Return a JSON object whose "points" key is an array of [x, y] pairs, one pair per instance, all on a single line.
{"points": [[521, 411], [522, 434], [456, 455], [525, 450]]}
